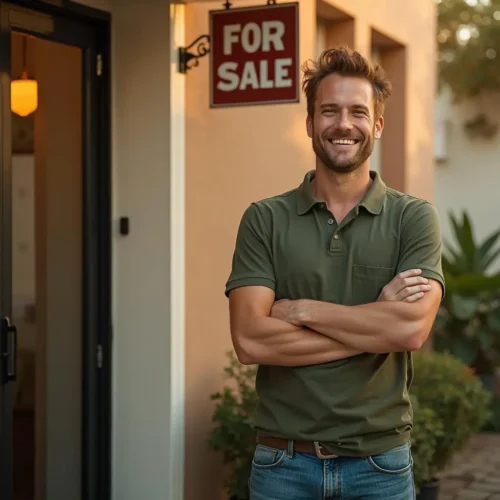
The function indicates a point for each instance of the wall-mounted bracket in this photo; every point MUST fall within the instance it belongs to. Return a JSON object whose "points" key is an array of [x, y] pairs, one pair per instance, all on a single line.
{"points": [[187, 59]]}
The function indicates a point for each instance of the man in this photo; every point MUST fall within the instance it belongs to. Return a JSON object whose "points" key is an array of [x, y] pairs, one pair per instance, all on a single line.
{"points": [[333, 285]]}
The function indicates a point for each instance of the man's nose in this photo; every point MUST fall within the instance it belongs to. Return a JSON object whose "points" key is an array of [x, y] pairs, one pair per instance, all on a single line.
{"points": [[343, 121]]}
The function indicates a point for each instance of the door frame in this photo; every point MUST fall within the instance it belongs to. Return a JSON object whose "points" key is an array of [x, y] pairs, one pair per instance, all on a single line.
{"points": [[96, 205]]}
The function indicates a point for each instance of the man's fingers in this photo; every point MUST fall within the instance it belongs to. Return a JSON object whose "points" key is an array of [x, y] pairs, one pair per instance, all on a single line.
{"points": [[414, 297], [412, 290], [409, 273], [417, 280], [397, 285], [404, 285], [413, 293], [409, 282]]}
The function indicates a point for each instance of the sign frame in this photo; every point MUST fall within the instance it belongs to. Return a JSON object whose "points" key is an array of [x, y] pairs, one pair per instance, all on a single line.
{"points": [[296, 99]]}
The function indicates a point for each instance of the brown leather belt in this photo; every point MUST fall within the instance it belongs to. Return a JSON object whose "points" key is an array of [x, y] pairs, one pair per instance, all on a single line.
{"points": [[318, 449]]}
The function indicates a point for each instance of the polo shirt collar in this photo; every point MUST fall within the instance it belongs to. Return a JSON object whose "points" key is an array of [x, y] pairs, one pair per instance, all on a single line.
{"points": [[306, 199], [373, 200]]}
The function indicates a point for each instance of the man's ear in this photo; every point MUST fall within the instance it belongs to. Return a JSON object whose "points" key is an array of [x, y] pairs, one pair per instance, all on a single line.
{"points": [[379, 126], [309, 126]]}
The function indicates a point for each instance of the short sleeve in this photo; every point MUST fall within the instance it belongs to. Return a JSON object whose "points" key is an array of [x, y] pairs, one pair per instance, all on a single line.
{"points": [[252, 259], [421, 242]]}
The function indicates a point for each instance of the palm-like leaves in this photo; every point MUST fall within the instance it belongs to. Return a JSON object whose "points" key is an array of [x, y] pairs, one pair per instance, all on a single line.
{"points": [[468, 323], [466, 256]]}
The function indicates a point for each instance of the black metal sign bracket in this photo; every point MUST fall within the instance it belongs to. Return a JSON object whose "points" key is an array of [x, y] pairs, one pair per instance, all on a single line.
{"points": [[188, 59]]}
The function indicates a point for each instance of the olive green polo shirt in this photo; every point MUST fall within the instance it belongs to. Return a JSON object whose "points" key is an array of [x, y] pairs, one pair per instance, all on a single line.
{"points": [[292, 244]]}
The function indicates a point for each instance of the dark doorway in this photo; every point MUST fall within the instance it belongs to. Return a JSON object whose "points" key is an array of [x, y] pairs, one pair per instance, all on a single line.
{"points": [[55, 253]]}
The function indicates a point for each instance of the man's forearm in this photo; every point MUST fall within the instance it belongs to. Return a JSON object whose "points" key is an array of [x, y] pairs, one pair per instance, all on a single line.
{"points": [[270, 341], [375, 327]]}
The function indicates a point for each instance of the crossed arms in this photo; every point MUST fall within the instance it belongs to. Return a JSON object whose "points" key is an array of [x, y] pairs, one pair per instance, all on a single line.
{"points": [[306, 332]]}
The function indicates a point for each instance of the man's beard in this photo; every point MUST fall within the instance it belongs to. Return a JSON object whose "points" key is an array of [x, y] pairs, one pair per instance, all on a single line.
{"points": [[340, 163]]}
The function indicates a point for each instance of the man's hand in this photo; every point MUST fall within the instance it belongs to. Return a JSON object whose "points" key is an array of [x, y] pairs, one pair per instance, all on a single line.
{"points": [[407, 286]]}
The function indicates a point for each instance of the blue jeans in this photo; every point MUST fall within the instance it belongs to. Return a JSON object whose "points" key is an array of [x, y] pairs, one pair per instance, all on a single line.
{"points": [[288, 475]]}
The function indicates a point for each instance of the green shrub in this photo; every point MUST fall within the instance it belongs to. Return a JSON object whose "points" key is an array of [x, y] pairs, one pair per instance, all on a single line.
{"points": [[493, 423], [233, 434], [443, 384], [427, 428]]}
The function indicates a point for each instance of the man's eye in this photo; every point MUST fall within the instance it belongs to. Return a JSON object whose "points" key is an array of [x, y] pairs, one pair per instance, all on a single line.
{"points": [[359, 113]]}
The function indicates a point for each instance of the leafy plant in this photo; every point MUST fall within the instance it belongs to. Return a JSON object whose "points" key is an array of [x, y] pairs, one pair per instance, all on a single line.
{"points": [[468, 322], [466, 257], [427, 429], [480, 126], [468, 34], [493, 423], [457, 399], [234, 435]]}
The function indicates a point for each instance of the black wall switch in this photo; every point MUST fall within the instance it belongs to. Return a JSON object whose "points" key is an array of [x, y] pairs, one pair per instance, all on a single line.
{"points": [[124, 225]]}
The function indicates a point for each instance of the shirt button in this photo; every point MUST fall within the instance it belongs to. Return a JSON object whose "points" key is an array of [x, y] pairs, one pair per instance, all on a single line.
{"points": [[336, 237], [330, 221]]}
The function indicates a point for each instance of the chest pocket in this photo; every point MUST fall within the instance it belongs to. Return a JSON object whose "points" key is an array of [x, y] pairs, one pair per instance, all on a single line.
{"points": [[368, 281]]}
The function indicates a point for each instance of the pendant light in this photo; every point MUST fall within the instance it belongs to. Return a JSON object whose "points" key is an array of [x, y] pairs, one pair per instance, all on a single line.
{"points": [[24, 92]]}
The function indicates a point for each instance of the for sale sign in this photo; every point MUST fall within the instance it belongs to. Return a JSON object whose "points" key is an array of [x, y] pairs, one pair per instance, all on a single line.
{"points": [[254, 55]]}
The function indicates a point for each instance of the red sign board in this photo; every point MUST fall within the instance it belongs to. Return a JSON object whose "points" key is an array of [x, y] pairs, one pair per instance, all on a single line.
{"points": [[254, 55]]}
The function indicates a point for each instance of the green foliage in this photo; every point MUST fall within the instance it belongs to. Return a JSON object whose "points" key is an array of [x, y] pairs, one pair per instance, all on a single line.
{"points": [[468, 34], [427, 429], [457, 399], [468, 322], [493, 423], [233, 434], [465, 256]]}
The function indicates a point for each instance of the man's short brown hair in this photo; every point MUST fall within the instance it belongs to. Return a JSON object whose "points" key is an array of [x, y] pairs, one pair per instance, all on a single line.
{"points": [[345, 62]]}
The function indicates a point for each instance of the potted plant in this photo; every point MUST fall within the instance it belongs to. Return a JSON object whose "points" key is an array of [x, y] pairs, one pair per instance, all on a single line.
{"points": [[233, 434], [468, 322], [452, 393]]}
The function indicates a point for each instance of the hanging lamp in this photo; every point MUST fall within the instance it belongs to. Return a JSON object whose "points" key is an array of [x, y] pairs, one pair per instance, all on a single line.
{"points": [[24, 91]]}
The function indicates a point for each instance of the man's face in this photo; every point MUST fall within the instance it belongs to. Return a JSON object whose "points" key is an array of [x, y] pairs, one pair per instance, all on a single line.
{"points": [[343, 128]]}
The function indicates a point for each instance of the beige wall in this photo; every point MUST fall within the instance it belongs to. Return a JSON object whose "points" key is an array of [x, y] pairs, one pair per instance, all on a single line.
{"points": [[235, 156]]}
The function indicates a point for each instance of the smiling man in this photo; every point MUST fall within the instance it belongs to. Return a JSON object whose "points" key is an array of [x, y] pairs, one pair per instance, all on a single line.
{"points": [[333, 285]]}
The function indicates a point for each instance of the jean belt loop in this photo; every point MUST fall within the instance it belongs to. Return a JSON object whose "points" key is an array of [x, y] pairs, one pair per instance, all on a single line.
{"points": [[290, 448]]}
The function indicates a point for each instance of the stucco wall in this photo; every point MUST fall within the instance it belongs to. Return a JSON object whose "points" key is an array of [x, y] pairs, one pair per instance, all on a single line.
{"points": [[235, 156], [469, 178]]}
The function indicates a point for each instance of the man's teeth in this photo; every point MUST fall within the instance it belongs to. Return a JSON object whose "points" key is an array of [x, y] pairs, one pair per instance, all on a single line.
{"points": [[343, 141]]}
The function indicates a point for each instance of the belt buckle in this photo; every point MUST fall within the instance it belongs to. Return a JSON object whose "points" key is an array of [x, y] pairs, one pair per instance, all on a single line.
{"points": [[317, 448]]}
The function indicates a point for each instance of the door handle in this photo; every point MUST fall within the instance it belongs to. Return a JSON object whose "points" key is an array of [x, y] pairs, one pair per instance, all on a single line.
{"points": [[8, 334]]}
